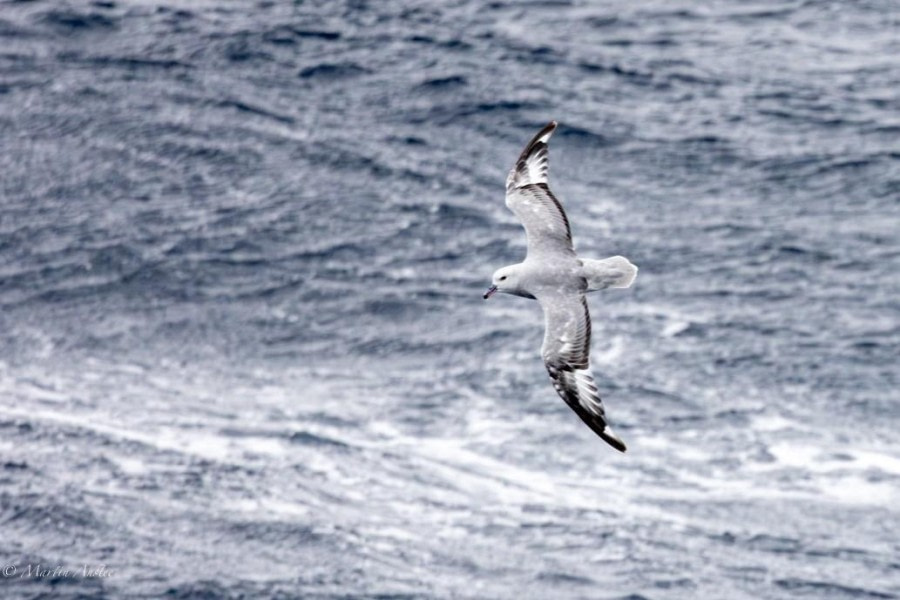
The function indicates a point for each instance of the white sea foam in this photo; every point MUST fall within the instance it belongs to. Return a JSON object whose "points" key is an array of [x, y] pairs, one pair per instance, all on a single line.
{"points": [[859, 490], [774, 423]]}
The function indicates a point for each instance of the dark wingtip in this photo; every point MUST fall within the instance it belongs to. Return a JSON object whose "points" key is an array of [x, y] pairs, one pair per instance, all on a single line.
{"points": [[613, 441], [540, 137], [609, 436], [544, 134], [596, 422]]}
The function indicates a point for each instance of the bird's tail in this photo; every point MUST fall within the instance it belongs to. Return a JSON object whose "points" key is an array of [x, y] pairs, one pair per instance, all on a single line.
{"points": [[612, 272]]}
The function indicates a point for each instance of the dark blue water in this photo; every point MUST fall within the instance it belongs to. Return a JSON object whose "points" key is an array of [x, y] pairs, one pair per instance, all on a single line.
{"points": [[244, 351]]}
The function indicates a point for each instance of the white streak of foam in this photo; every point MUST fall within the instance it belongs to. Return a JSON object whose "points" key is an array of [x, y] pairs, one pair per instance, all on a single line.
{"points": [[858, 490], [821, 460], [774, 423], [673, 328], [185, 441], [269, 508], [129, 466], [876, 460]]}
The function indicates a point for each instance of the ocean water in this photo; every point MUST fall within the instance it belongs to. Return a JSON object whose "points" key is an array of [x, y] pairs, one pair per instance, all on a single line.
{"points": [[244, 351]]}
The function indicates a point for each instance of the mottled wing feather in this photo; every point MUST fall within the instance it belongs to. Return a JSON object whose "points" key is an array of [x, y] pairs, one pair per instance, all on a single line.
{"points": [[566, 354], [546, 225], [529, 197]]}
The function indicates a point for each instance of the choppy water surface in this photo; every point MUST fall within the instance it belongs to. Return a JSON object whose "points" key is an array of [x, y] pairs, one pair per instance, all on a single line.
{"points": [[244, 351]]}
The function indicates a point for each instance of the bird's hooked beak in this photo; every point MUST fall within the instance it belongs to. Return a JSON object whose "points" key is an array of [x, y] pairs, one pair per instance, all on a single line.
{"points": [[490, 292]]}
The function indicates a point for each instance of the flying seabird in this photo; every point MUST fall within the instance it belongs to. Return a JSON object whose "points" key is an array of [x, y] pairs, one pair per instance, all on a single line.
{"points": [[553, 275]]}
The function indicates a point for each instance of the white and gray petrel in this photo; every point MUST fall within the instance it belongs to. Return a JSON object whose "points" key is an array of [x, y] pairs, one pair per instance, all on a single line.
{"points": [[553, 275]]}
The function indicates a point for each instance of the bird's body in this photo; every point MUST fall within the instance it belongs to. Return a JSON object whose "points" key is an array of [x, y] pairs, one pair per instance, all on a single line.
{"points": [[554, 275]]}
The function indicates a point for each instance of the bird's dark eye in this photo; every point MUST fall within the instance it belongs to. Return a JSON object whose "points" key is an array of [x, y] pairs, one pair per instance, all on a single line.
{"points": [[503, 278]]}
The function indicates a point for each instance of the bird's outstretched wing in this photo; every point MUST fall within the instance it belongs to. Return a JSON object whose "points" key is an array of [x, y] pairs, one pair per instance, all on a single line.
{"points": [[566, 354], [528, 195]]}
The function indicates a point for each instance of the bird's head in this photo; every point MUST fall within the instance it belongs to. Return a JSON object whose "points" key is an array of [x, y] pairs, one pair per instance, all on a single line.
{"points": [[506, 280]]}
